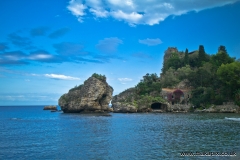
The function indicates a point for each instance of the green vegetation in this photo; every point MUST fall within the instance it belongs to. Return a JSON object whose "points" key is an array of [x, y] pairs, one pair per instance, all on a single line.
{"points": [[214, 78], [148, 90], [76, 88], [64, 98], [174, 62], [237, 97], [100, 77], [145, 100], [145, 93], [202, 57], [150, 83]]}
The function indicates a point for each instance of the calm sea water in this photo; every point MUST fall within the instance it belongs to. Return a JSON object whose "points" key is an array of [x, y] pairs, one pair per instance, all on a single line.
{"points": [[28, 132]]}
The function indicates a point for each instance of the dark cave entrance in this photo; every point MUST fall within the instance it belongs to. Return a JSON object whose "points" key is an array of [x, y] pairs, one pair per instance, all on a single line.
{"points": [[156, 106]]}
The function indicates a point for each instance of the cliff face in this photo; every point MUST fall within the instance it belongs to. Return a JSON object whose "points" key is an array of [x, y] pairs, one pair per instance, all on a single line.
{"points": [[122, 102], [93, 96]]}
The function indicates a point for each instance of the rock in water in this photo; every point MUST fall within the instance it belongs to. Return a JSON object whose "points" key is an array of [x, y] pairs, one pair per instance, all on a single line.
{"points": [[50, 108], [93, 96]]}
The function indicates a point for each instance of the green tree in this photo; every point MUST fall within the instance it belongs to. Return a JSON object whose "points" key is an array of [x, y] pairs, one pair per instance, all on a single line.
{"points": [[174, 61], [229, 75], [184, 72], [100, 77], [193, 59], [149, 83], [194, 79], [202, 96], [207, 74], [186, 57], [201, 55], [221, 57], [169, 79], [222, 49], [237, 97]]}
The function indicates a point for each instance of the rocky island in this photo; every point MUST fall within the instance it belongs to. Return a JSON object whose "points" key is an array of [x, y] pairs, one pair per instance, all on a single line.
{"points": [[92, 96], [189, 82]]}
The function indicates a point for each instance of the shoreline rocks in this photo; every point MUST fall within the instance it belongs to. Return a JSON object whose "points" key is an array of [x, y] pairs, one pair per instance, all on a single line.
{"points": [[232, 108], [124, 108]]}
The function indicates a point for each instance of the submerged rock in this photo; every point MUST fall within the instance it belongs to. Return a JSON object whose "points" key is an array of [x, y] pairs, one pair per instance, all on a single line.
{"points": [[93, 96], [53, 108]]}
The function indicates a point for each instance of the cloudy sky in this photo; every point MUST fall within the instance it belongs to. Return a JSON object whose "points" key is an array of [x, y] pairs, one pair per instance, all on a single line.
{"points": [[48, 47]]}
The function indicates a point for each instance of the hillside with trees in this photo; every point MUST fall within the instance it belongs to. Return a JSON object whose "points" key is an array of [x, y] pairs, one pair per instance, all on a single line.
{"points": [[214, 79], [210, 79]]}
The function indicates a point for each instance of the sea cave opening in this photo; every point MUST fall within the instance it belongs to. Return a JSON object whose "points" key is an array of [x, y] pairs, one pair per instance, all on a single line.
{"points": [[156, 106], [110, 104]]}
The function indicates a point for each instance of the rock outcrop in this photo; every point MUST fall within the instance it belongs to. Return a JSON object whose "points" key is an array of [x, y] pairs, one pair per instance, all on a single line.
{"points": [[129, 101], [54, 108], [93, 96], [121, 102], [124, 108]]}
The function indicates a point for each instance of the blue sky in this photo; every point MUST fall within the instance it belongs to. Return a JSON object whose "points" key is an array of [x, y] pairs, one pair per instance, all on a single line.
{"points": [[48, 47]]}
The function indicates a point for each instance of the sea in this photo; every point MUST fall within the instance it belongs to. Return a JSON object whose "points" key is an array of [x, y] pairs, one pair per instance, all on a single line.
{"points": [[29, 132]]}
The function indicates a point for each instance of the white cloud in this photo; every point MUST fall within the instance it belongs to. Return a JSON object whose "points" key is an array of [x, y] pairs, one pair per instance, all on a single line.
{"points": [[109, 45], [132, 18], [77, 9], [124, 79], [61, 77], [150, 42], [40, 56], [149, 12], [99, 13]]}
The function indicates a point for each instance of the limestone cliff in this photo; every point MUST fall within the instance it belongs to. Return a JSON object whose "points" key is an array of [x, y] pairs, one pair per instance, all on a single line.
{"points": [[93, 96]]}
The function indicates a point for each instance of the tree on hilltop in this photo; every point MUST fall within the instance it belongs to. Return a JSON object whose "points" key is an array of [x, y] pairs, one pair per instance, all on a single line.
{"points": [[201, 55], [221, 57], [99, 76], [222, 48], [186, 57]]}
